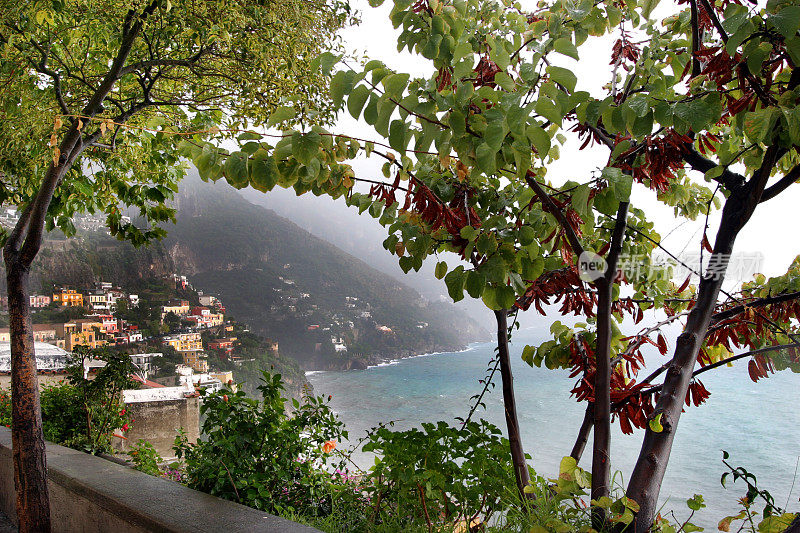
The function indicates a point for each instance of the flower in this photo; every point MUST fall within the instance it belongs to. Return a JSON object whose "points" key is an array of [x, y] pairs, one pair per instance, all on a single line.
{"points": [[125, 427], [122, 413], [329, 446]]}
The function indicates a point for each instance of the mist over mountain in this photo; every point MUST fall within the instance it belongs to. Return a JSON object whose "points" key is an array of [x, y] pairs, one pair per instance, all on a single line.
{"points": [[286, 283], [362, 236]]}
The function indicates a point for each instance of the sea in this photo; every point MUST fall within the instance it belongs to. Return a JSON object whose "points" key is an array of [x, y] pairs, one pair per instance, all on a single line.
{"points": [[758, 424]]}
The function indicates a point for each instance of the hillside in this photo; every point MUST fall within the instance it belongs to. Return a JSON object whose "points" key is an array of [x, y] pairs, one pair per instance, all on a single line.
{"points": [[284, 282]]}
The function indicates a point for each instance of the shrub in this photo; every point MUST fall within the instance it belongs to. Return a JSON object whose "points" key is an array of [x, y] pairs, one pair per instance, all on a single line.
{"points": [[255, 453], [441, 473], [145, 458]]}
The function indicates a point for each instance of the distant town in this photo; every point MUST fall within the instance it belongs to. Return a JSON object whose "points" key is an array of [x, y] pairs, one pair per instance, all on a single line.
{"points": [[100, 325]]}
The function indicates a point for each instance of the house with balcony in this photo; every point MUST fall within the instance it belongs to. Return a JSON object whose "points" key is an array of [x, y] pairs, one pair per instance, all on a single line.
{"points": [[38, 301], [41, 333], [183, 342], [68, 298], [225, 345], [81, 332], [205, 318], [179, 308]]}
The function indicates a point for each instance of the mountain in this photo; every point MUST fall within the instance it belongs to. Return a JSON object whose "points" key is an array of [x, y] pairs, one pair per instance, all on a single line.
{"points": [[286, 283], [362, 236]]}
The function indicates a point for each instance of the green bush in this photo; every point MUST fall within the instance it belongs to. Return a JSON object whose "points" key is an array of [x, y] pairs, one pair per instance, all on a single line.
{"points": [[441, 473], [145, 458], [255, 453]]}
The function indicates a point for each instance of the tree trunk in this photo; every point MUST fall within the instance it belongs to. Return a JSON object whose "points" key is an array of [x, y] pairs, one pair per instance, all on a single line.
{"points": [[645, 482], [510, 405], [30, 463], [583, 433], [601, 449]]}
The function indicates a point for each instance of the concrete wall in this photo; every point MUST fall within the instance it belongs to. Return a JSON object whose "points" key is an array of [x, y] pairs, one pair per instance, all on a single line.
{"points": [[92, 495], [159, 422]]}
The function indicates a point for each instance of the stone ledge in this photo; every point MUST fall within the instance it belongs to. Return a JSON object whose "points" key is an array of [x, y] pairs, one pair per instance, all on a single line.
{"points": [[89, 493]]}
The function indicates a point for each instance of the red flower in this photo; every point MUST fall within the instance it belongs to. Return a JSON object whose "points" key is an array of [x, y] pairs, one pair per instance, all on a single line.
{"points": [[125, 427], [122, 413]]}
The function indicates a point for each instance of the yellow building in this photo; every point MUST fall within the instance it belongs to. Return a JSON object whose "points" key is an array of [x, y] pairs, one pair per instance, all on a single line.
{"points": [[68, 297], [180, 308], [83, 332], [223, 376], [184, 342], [195, 359]]}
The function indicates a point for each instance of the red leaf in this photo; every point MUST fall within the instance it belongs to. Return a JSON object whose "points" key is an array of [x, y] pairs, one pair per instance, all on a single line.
{"points": [[752, 369], [706, 244], [662, 344]]}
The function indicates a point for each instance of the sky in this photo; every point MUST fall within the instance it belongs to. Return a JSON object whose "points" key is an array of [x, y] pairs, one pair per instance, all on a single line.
{"points": [[763, 241]]}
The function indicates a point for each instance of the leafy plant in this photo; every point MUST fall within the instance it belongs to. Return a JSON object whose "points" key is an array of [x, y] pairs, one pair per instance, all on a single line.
{"points": [[440, 473], [99, 399], [773, 518], [145, 458], [255, 453]]}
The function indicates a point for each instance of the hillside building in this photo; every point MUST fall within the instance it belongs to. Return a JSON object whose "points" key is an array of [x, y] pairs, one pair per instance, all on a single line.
{"points": [[68, 298]]}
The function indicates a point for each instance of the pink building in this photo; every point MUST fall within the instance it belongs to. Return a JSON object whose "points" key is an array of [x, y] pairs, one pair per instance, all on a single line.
{"points": [[39, 300]]}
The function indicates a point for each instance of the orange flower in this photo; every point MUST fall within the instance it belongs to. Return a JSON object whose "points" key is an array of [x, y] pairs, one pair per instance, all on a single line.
{"points": [[329, 446]]}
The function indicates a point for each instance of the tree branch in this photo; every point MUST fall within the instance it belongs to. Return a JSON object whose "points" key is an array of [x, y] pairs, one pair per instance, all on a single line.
{"points": [[781, 185], [762, 302], [728, 178], [572, 238]]}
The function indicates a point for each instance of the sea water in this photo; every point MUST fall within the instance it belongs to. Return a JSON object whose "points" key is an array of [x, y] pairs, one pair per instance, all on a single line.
{"points": [[757, 423]]}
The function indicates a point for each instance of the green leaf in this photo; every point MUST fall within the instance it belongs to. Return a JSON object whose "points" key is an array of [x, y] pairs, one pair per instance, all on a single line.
{"points": [[793, 123], [441, 269], [341, 84], [695, 503], [263, 171], [476, 282], [485, 157], [580, 200], [562, 76], [619, 182], [528, 352], [655, 424], [495, 269], [468, 232], [496, 132], [526, 235], [455, 280], [397, 135], [565, 47], [356, 100], [282, 114], [489, 298], [648, 6], [235, 170], [787, 21], [505, 297], [305, 146], [540, 140], [758, 125], [394, 85]]}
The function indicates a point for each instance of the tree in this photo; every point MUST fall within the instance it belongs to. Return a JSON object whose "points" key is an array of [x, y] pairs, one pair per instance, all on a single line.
{"points": [[100, 80], [710, 89]]}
